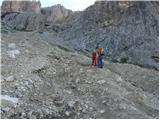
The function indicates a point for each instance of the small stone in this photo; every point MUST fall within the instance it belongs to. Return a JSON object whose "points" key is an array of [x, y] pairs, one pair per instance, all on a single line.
{"points": [[89, 70], [101, 81], [91, 108], [68, 91], [71, 103], [104, 101], [119, 79], [22, 76], [81, 70], [33, 117], [2, 80], [84, 110], [89, 82], [46, 111], [78, 113], [6, 109], [73, 86], [9, 79], [77, 80], [86, 105], [12, 53], [23, 114], [12, 46], [67, 113], [102, 111], [27, 51], [29, 114]]}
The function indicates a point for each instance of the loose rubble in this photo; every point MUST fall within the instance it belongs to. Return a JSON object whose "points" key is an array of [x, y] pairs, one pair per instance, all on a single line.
{"points": [[50, 82]]}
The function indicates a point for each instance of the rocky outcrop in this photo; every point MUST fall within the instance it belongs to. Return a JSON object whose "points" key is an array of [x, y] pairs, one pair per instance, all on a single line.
{"points": [[56, 13], [22, 21], [128, 31], [21, 6], [21, 15], [26, 16]]}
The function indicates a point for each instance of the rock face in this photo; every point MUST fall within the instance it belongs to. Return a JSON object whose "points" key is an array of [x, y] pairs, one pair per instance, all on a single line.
{"points": [[22, 21], [27, 16], [56, 13], [51, 81], [21, 15], [21, 6], [128, 31]]}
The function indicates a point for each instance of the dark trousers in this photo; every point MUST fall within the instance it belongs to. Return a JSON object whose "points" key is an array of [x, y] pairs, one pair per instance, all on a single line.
{"points": [[100, 62]]}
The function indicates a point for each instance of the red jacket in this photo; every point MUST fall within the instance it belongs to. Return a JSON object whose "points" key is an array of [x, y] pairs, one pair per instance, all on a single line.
{"points": [[100, 50], [94, 55]]}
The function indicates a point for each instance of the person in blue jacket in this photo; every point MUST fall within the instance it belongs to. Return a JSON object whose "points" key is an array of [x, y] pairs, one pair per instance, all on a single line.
{"points": [[100, 58]]}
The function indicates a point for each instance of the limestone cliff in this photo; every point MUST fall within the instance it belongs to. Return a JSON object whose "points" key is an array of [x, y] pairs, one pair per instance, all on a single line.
{"points": [[21, 6], [56, 13]]}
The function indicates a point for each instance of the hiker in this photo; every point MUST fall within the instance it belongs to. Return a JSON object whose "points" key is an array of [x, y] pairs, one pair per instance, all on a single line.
{"points": [[100, 59], [94, 58]]}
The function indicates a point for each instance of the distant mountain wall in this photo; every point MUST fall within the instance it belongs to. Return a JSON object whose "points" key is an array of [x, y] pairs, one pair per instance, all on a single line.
{"points": [[56, 13], [21, 6]]}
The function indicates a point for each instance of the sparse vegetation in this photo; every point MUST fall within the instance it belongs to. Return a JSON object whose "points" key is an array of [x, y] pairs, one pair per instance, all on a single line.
{"points": [[124, 60]]}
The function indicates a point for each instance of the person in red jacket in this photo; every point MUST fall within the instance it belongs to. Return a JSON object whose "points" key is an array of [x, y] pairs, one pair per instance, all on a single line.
{"points": [[94, 58]]}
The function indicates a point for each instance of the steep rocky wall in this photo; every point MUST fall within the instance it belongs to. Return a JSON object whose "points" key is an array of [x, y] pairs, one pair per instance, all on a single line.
{"points": [[56, 13], [28, 16], [128, 31], [21, 6], [22, 21]]}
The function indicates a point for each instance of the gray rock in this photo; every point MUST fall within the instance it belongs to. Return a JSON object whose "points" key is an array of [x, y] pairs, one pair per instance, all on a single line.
{"points": [[9, 79], [102, 111], [71, 104], [23, 21], [101, 81], [67, 113], [12, 45], [5, 109], [13, 53]]}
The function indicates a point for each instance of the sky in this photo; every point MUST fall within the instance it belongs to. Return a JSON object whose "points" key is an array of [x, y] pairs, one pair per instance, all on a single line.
{"points": [[75, 5]]}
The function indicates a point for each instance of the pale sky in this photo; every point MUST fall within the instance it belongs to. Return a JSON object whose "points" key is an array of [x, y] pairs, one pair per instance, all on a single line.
{"points": [[75, 5]]}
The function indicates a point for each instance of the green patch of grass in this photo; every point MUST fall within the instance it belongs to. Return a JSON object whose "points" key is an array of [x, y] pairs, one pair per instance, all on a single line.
{"points": [[115, 61], [124, 60]]}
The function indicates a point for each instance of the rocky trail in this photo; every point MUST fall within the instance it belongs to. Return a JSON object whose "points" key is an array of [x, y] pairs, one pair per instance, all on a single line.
{"points": [[44, 80]]}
